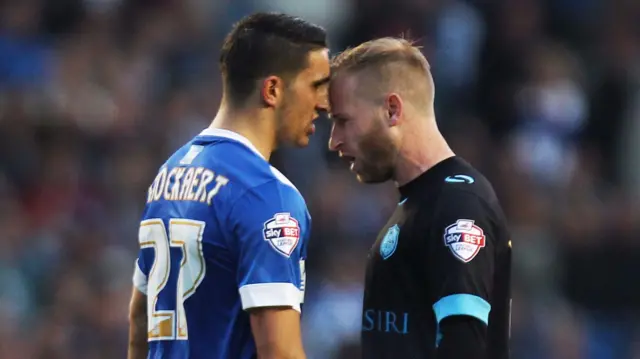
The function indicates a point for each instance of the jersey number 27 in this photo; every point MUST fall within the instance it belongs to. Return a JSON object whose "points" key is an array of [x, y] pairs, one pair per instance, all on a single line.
{"points": [[166, 293]]}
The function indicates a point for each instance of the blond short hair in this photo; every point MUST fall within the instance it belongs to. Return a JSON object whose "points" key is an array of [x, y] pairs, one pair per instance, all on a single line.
{"points": [[380, 52], [388, 64]]}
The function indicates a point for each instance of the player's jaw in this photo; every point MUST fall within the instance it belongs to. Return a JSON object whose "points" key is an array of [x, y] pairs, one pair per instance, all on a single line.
{"points": [[373, 162], [295, 125], [369, 170]]}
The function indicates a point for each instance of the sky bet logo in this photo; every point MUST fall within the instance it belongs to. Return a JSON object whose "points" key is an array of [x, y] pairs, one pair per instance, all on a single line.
{"points": [[465, 239], [283, 233], [385, 321]]}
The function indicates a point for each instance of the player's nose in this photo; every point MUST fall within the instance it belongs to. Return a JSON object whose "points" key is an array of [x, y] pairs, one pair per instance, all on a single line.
{"points": [[322, 106]]}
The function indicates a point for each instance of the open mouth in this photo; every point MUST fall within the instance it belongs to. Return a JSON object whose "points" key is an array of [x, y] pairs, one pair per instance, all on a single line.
{"points": [[350, 160]]}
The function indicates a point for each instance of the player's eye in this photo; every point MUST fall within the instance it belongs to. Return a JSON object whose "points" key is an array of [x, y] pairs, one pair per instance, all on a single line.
{"points": [[322, 88], [321, 84]]}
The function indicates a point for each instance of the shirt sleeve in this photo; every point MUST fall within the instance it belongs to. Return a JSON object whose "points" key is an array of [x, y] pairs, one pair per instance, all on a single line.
{"points": [[462, 266], [462, 329], [142, 266], [271, 223], [139, 277]]}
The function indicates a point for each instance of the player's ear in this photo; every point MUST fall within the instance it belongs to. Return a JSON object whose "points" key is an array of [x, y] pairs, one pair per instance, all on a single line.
{"points": [[394, 109], [272, 90]]}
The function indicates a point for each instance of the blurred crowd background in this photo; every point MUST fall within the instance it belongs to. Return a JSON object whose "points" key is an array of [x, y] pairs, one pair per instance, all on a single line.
{"points": [[542, 96]]}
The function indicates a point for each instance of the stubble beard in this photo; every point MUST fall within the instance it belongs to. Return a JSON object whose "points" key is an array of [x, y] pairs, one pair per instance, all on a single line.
{"points": [[378, 157]]}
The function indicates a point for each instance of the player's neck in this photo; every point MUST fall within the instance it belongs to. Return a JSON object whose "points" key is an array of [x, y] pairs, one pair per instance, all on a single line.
{"points": [[422, 150], [262, 134]]}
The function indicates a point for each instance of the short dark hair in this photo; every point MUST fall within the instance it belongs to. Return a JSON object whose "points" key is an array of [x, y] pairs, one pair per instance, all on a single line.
{"points": [[265, 44]]}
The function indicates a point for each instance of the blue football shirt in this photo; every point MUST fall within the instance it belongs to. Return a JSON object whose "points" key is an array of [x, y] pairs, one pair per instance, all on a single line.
{"points": [[222, 231]]}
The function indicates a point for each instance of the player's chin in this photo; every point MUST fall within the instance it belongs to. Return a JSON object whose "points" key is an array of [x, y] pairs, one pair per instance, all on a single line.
{"points": [[370, 180], [302, 141], [370, 177]]}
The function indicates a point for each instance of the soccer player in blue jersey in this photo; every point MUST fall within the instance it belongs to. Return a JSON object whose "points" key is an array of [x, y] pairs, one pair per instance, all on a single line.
{"points": [[220, 272]]}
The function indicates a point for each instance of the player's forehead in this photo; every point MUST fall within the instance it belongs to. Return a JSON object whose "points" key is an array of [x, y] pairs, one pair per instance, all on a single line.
{"points": [[342, 91], [318, 67]]}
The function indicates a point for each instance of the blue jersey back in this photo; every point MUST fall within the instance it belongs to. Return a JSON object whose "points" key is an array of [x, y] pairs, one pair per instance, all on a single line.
{"points": [[222, 232]]}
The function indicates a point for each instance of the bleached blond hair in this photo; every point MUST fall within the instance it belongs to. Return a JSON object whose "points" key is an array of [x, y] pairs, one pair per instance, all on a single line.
{"points": [[388, 65]]}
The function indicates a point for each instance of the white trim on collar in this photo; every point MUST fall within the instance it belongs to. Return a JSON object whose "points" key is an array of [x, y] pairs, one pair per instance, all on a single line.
{"points": [[220, 132]]}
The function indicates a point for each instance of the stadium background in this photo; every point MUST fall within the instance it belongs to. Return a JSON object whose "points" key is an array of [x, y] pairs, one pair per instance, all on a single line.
{"points": [[543, 96]]}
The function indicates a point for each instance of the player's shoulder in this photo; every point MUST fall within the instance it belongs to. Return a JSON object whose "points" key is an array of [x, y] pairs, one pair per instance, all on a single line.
{"points": [[461, 179], [224, 152], [232, 155], [466, 202], [462, 185]]}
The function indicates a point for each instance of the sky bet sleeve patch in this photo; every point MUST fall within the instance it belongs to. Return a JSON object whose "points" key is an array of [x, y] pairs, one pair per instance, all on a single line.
{"points": [[464, 239], [283, 233]]}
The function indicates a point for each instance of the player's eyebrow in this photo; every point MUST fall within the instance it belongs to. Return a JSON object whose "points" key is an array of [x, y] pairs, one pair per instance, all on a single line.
{"points": [[322, 81]]}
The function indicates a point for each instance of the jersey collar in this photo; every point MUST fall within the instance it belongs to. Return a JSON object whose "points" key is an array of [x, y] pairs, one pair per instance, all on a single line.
{"points": [[220, 132], [430, 179]]}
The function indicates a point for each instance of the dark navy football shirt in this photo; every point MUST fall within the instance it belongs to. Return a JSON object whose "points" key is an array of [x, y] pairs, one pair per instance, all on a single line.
{"points": [[444, 254], [222, 231]]}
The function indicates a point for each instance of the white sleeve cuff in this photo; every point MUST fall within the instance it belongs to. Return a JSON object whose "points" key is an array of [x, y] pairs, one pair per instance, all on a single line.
{"points": [[270, 295], [139, 279]]}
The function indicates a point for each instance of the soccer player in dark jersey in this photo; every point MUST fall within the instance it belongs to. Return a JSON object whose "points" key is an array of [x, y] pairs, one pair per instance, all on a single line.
{"points": [[437, 282], [223, 237]]}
